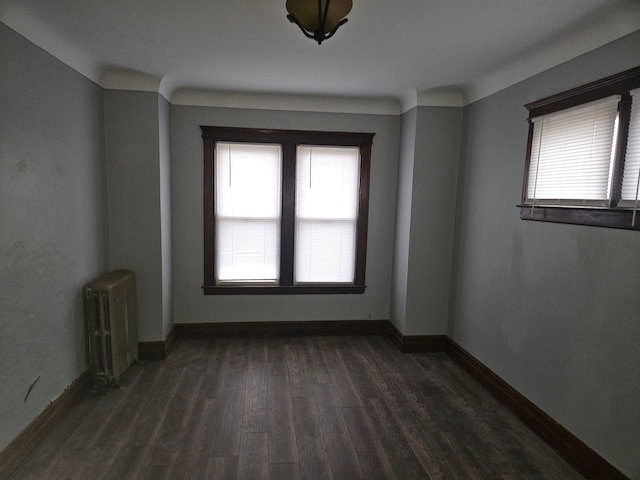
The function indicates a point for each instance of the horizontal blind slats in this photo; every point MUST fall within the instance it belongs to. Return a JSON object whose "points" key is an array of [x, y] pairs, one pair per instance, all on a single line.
{"points": [[632, 159], [571, 152], [248, 199], [327, 186]]}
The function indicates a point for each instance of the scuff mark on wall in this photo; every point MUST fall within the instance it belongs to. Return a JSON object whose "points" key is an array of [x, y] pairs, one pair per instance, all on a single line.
{"points": [[22, 166], [33, 384]]}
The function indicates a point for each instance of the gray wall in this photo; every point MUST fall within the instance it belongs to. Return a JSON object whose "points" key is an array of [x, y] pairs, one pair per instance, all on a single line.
{"points": [[52, 232], [435, 170], [553, 309], [430, 147], [164, 122], [403, 220], [137, 131], [190, 305]]}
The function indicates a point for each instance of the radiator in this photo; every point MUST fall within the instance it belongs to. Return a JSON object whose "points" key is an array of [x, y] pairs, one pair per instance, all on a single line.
{"points": [[112, 327]]}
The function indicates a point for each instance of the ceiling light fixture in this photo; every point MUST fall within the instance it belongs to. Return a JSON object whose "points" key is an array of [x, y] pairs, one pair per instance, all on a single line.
{"points": [[319, 21]]}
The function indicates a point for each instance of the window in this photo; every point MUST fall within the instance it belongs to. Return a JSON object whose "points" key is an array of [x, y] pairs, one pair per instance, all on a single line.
{"points": [[247, 212], [583, 155], [285, 211]]}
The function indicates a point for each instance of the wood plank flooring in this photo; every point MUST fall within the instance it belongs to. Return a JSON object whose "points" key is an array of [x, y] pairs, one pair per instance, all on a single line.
{"points": [[344, 407]]}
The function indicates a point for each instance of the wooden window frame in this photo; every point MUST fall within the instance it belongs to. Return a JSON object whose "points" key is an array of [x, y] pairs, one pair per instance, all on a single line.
{"points": [[289, 140], [612, 215]]}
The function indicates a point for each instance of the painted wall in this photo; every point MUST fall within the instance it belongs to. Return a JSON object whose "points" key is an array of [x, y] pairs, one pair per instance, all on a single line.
{"points": [[132, 137], [164, 129], [403, 220], [191, 306], [435, 170], [553, 309], [430, 146], [52, 233]]}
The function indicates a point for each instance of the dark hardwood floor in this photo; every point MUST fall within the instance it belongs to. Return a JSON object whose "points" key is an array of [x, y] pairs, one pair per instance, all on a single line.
{"points": [[343, 407]]}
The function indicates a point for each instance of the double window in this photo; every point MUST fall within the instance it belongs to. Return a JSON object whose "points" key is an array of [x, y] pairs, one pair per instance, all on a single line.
{"points": [[285, 211], [583, 156]]}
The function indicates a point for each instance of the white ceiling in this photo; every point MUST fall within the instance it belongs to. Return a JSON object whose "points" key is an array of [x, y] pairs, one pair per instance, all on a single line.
{"points": [[411, 51]]}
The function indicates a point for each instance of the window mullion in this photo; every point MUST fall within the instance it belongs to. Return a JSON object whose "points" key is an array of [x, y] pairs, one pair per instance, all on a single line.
{"points": [[624, 115], [287, 234]]}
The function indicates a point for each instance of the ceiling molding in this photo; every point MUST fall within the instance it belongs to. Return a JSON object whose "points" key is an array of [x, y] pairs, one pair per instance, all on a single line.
{"points": [[555, 51], [41, 36], [276, 101], [409, 100], [124, 79], [441, 97], [571, 42]]}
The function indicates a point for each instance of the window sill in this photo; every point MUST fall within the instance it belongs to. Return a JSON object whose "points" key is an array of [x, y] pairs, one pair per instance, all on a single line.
{"points": [[595, 217], [282, 290]]}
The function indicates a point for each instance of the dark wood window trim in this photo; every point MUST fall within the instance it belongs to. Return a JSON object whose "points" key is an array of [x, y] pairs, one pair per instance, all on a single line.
{"points": [[613, 216], [595, 217], [288, 139]]}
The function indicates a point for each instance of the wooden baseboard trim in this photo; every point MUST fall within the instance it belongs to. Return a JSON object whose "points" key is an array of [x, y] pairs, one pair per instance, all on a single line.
{"points": [[21, 447], [157, 350], [265, 329], [416, 343], [573, 450]]}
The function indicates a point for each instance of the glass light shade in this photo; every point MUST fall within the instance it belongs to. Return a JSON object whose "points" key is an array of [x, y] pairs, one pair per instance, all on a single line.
{"points": [[306, 12]]}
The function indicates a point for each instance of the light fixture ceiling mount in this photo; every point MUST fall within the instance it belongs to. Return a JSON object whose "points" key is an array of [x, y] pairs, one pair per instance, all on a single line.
{"points": [[318, 20]]}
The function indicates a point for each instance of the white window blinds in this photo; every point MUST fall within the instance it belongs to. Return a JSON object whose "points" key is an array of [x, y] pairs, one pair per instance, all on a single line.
{"points": [[327, 185], [632, 160], [248, 209], [571, 153]]}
